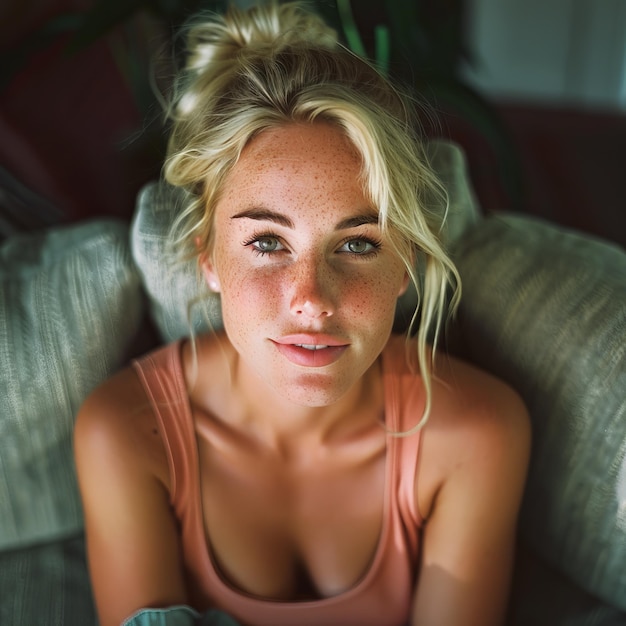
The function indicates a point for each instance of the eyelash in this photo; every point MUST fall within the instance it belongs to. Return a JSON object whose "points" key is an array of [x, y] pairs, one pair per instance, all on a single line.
{"points": [[255, 237], [375, 243]]}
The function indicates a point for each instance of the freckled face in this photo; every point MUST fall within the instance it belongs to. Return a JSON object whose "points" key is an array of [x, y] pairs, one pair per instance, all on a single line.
{"points": [[308, 282]]}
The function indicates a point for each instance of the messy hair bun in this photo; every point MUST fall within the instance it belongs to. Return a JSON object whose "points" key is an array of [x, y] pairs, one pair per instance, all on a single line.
{"points": [[216, 47], [209, 43]]}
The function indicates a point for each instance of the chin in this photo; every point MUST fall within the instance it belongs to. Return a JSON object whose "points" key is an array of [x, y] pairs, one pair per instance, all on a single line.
{"points": [[311, 400], [312, 393]]}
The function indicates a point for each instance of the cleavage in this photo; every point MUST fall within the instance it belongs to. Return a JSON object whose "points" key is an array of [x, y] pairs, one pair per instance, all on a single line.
{"points": [[287, 536]]}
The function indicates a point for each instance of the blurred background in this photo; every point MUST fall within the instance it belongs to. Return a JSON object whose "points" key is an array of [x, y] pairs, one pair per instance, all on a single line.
{"points": [[534, 91], [556, 69]]}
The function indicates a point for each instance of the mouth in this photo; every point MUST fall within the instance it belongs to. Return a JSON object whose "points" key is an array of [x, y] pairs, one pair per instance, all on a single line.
{"points": [[310, 347], [311, 351]]}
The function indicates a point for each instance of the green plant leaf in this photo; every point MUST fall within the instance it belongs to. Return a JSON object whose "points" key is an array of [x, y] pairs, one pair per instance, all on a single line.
{"points": [[350, 29]]}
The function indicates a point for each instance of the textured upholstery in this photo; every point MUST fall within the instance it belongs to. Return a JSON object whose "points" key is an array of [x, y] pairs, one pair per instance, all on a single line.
{"points": [[70, 301], [46, 585], [545, 309], [179, 299], [544, 596]]}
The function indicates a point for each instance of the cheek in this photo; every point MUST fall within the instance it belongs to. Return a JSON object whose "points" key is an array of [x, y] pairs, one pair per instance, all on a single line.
{"points": [[373, 297], [248, 300]]}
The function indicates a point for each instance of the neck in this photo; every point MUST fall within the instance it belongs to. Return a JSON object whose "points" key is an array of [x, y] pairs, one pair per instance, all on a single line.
{"points": [[280, 422]]}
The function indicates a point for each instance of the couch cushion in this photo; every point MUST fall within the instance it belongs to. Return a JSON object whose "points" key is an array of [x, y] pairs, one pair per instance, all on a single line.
{"points": [[545, 309], [70, 301], [47, 584], [179, 299], [544, 596]]}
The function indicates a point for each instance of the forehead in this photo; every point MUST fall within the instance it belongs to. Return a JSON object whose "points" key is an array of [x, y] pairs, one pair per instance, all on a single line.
{"points": [[313, 157], [301, 142]]}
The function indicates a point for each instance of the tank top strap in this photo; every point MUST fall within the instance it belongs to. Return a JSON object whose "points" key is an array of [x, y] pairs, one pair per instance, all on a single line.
{"points": [[163, 379], [408, 464], [404, 405]]}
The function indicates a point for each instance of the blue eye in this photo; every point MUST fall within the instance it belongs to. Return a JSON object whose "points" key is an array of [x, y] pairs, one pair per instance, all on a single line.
{"points": [[360, 246], [264, 244]]}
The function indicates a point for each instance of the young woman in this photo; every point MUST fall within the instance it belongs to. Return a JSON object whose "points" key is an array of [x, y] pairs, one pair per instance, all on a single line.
{"points": [[304, 466]]}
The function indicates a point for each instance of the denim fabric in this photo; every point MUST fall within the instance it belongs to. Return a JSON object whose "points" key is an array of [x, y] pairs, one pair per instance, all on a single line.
{"points": [[179, 616]]}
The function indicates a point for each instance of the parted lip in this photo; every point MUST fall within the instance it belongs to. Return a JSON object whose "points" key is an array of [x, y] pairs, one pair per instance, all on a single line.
{"points": [[310, 339], [311, 350]]}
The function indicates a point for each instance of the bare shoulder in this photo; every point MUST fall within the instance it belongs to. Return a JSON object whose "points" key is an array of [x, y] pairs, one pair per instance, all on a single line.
{"points": [[479, 427], [467, 395], [123, 475], [116, 420]]}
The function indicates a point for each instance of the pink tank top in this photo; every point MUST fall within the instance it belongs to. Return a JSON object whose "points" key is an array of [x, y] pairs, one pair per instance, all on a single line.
{"points": [[383, 596]]}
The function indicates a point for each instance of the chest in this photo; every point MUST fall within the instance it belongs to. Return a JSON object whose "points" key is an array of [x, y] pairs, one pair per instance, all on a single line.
{"points": [[285, 529]]}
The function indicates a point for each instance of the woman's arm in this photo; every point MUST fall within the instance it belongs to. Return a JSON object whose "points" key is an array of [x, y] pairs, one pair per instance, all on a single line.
{"points": [[469, 539], [132, 542]]}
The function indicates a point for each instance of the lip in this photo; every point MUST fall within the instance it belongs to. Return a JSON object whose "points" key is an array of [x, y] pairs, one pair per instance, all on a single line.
{"points": [[290, 347]]}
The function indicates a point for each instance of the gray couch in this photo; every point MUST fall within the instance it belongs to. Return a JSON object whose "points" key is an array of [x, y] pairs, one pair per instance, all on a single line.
{"points": [[543, 308]]}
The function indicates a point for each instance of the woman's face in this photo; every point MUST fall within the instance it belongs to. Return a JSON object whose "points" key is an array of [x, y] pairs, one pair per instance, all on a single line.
{"points": [[308, 281]]}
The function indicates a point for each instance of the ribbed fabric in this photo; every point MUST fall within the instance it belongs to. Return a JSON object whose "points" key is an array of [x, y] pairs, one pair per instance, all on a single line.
{"points": [[383, 596], [46, 585], [70, 302], [545, 309]]}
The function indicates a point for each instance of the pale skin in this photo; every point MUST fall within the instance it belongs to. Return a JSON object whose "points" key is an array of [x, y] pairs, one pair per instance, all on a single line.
{"points": [[298, 257]]}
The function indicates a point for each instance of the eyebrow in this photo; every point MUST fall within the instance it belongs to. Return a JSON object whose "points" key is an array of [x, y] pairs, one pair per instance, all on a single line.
{"points": [[267, 215]]}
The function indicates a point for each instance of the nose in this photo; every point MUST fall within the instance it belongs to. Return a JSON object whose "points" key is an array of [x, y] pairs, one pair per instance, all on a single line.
{"points": [[312, 289]]}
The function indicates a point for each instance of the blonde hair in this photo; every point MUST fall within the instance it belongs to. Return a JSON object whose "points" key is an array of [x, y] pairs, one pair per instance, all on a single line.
{"points": [[249, 71]]}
